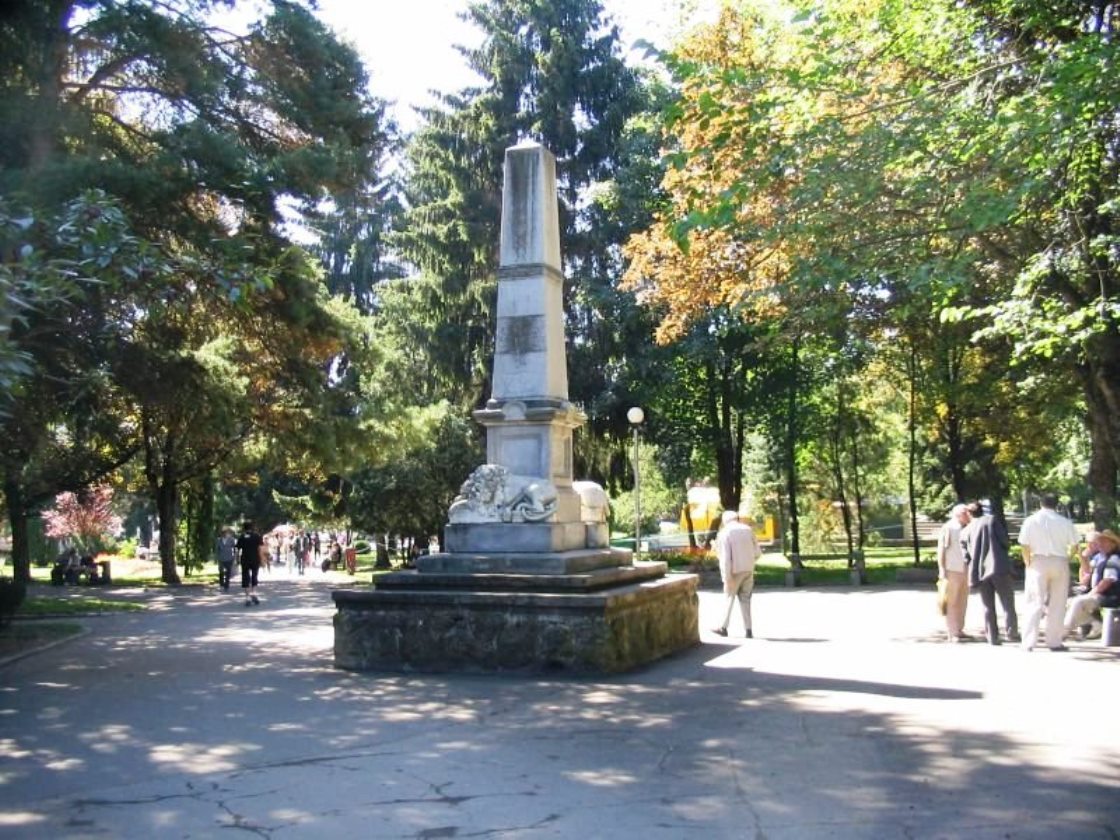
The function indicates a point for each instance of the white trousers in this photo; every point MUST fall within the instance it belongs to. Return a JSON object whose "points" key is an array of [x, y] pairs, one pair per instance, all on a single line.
{"points": [[741, 587], [1046, 585], [1080, 610]]}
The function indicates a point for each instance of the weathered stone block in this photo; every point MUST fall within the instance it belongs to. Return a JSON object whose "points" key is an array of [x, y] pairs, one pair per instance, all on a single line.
{"points": [[432, 630]]}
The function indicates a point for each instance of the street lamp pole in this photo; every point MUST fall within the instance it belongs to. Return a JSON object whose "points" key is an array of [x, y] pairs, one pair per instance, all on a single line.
{"points": [[636, 416]]}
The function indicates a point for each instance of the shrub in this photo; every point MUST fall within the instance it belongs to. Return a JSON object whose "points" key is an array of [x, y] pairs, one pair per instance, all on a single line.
{"points": [[11, 596], [86, 518], [126, 549], [361, 546]]}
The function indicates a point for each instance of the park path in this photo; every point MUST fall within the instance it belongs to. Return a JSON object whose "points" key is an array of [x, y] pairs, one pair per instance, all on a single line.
{"points": [[846, 717]]}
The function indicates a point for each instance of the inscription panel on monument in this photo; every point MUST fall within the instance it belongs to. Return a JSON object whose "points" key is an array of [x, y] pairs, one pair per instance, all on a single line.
{"points": [[520, 451], [519, 335]]}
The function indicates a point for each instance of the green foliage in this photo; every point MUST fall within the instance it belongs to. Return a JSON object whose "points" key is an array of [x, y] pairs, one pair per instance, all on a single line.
{"points": [[410, 495], [907, 161], [551, 72], [659, 501], [182, 306]]}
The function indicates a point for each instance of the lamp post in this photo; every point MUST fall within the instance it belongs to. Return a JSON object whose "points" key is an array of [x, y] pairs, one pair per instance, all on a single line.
{"points": [[636, 416]]}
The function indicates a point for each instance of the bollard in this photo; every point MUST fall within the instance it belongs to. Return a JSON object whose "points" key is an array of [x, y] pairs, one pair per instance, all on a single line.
{"points": [[1110, 634]]}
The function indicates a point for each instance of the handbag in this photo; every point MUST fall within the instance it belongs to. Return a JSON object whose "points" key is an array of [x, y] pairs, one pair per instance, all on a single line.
{"points": [[942, 595]]}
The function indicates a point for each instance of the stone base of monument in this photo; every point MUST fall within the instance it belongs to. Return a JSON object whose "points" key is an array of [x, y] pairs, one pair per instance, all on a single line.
{"points": [[454, 617]]}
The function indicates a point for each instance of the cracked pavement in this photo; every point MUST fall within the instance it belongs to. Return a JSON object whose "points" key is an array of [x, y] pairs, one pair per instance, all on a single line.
{"points": [[846, 716]]}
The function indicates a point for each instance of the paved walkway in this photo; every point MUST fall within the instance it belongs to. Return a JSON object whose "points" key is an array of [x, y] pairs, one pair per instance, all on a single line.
{"points": [[847, 717]]}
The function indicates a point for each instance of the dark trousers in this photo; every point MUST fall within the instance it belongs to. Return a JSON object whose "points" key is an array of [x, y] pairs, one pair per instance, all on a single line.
{"points": [[224, 570], [249, 574], [1002, 586]]}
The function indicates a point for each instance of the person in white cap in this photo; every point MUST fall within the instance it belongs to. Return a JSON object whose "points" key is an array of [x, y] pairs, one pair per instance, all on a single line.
{"points": [[952, 567], [738, 550]]}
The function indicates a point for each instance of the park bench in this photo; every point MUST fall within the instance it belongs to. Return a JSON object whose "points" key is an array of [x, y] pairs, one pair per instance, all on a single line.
{"points": [[97, 573]]}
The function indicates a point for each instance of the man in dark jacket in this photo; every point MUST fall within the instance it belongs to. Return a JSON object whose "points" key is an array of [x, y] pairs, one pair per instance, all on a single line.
{"points": [[985, 543]]}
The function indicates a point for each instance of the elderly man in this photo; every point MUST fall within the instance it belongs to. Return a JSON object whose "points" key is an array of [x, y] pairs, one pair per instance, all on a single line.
{"points": [[952, 568], [1103, 582], [1047, 538], [738, 550], [986, 545]]}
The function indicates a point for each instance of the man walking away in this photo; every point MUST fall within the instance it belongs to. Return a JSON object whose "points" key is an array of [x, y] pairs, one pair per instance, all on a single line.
{"points": [[1047, 538], [738, 550], [249, 546], [986, 545]]}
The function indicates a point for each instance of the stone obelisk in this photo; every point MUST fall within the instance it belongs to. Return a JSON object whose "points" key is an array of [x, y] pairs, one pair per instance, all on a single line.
{"points": [[528, 581], [529, 420]]}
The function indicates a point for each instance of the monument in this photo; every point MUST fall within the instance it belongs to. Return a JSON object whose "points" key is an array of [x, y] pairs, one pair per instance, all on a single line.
{"points": [[528, 581]]}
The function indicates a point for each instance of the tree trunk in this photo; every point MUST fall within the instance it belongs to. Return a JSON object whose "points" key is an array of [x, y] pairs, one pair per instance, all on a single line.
{"points": [[167, 499], [912, 458], [688, 522], [857, 491], [953, 424], [1102, 462], [17, 520], [837, 465], [719, 419], [791, 452]]}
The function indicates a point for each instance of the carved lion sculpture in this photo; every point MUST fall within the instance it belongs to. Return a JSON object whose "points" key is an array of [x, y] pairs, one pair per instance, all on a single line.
{"points": [[493, 494], [595, 504]]}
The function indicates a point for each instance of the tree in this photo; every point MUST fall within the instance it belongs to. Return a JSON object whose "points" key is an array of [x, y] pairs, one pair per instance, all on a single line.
{"points": [[410, 495], [897, 173], [550, 72], [202, 136], [63, 420], [85, 517]]}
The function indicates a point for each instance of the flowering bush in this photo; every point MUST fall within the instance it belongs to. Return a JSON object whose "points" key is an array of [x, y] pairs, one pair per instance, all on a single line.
{"points": [[86, 518]]}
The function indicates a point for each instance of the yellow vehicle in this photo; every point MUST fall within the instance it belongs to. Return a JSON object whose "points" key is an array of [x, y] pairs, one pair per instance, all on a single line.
{"points": [[704, 508]]}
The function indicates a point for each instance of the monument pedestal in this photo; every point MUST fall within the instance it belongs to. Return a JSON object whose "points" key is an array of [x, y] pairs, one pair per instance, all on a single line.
{"points": [[528, 582], [589, 623]]}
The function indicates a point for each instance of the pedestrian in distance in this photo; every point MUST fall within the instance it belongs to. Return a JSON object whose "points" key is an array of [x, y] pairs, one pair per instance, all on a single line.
{"points": [[250, 548], [738, 551], [226, 552], [952, 570], [987, 549], [1047, 539]]}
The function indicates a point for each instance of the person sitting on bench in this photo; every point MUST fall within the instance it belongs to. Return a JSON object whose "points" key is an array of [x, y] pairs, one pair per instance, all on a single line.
{"points": [[1103, 582]]}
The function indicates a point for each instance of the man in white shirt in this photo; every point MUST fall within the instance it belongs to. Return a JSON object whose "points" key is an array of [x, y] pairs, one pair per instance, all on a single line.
{"points": [[1047, 538], [953, 569], [738, 550]]}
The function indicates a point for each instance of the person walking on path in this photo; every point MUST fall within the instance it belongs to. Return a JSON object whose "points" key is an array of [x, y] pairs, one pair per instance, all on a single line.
{"points": [[249, 547], [738, 550], [953, 569], [985, 543], [1047, 538], [1102, 582], [226, 551]]}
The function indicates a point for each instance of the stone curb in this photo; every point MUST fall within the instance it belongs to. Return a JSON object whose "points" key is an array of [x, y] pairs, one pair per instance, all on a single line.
{"points": [[23, 654]]}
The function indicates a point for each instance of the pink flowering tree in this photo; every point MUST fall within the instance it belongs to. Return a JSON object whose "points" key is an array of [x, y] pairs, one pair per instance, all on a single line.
{"points": [[85, 517]]}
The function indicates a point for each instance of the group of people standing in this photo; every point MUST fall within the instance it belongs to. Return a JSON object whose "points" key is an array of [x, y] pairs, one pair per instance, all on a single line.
{"points": [[295, 550], [973, 553]]}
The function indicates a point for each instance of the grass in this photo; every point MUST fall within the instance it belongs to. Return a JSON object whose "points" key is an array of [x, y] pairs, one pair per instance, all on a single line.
{"points": [[131, 572], [19, 637], [39, 607], [881, 566]]}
